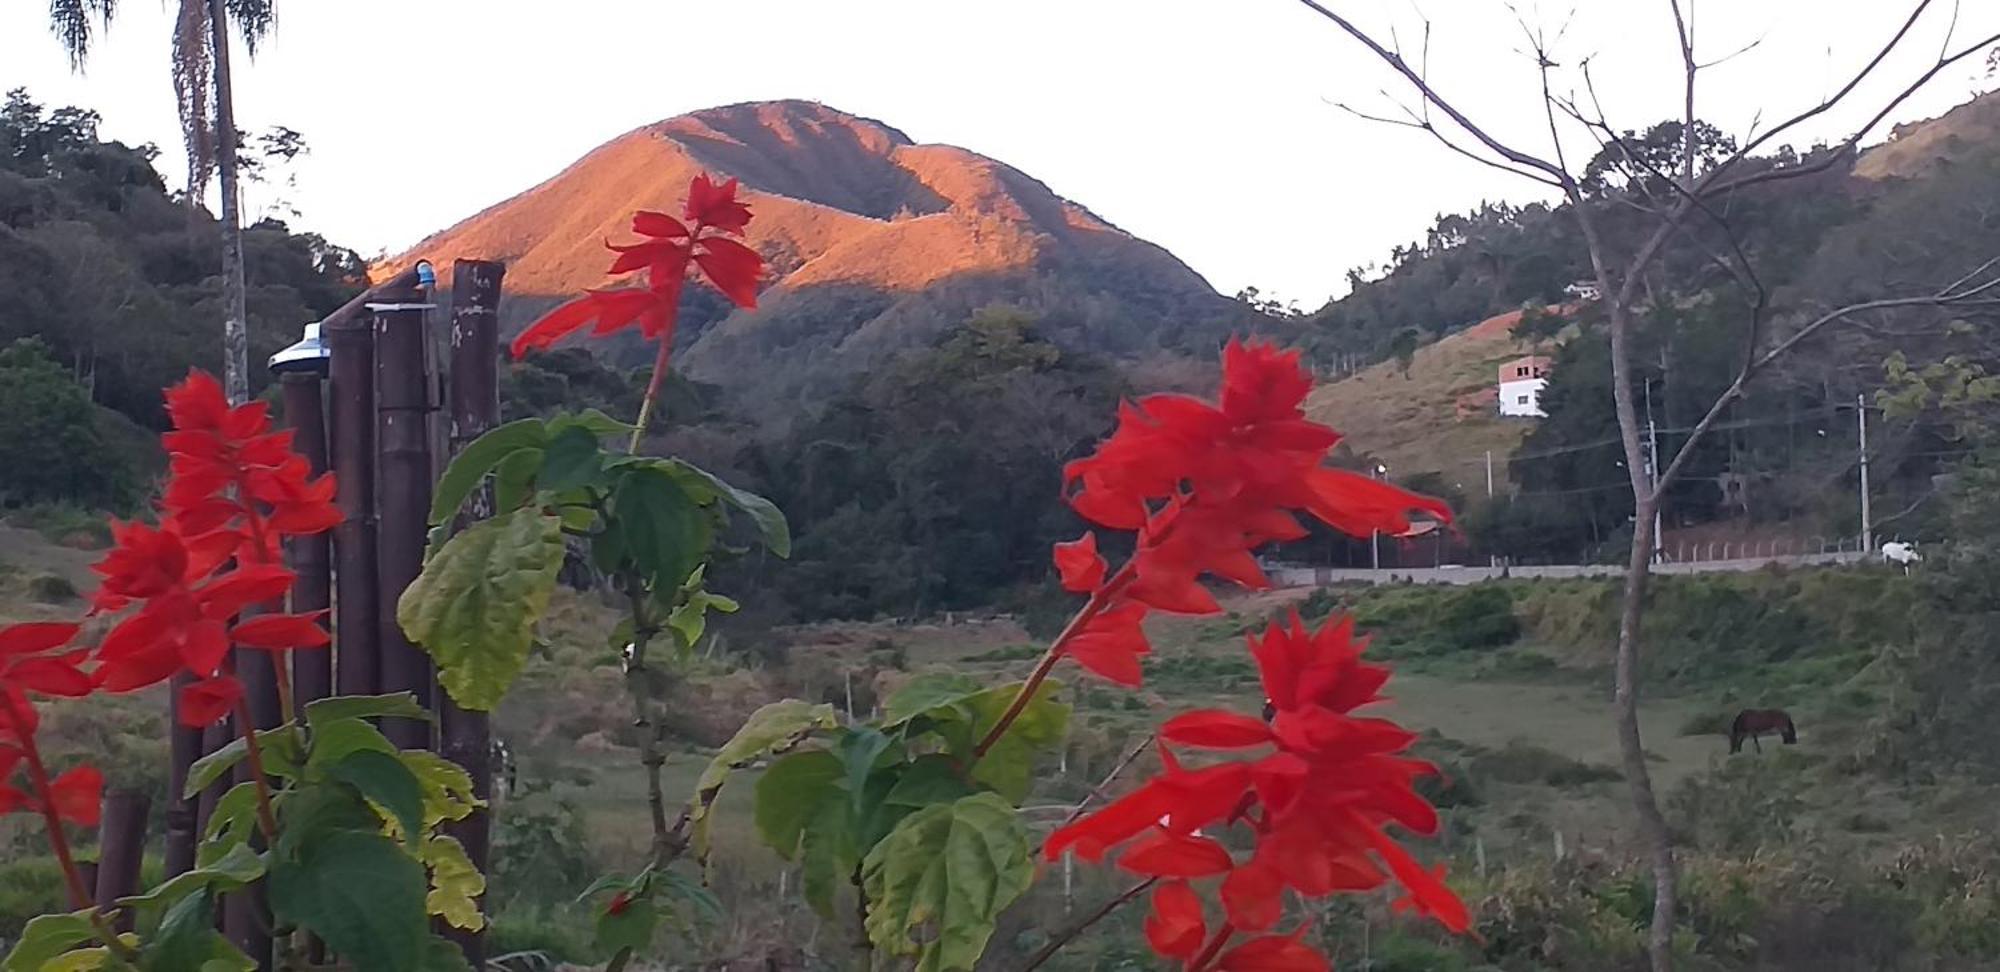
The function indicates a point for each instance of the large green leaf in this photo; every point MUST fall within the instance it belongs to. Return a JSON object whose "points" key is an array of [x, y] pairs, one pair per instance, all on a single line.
{"points": [[928, 693], [660, 528], [238, 867], [514, 481], [45, 937], [770, 520], [789, 794], [770, 730], [386, 782], [1008, 765], [948, 870], [829, 851], [277, 749], [475, 606], [399, 705], [361, 894], [573, 459], [455, 884], [591, 420], [446, 785], [480, 457], [335, 739], [187, 939]]}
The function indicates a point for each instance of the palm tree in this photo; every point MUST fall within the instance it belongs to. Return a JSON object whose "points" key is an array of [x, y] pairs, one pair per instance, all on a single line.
{"points": [[208, 126]]}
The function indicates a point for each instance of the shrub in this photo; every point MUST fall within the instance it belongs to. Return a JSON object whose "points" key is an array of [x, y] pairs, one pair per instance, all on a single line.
{"points": [[51, 589]]}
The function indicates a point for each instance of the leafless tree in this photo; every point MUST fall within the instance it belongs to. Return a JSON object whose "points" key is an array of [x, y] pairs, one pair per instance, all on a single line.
{"points": [[1683, 207]]}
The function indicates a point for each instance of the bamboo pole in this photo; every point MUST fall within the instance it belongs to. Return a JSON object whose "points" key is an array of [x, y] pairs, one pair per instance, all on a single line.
{"points": [[305, 412], [465, 737], [121, 845], [403, 456], [351, 361]]}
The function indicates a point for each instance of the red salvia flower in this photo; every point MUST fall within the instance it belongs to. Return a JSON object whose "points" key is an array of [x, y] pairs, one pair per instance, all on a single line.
{"points": [[1317, 801], [669, 246], [1175, 928]]}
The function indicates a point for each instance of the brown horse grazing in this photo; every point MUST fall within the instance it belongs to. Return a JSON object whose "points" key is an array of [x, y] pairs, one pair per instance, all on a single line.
{"points": [[1755, 722]]}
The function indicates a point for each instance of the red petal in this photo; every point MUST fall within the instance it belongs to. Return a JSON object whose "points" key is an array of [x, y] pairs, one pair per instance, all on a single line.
{"points": [[732, 267], [35, 636], [1359, 505], [1216, 729], [78, 795], [204, 703], [197, 402], [1272, 953], [228, 595], [1079, 565], [710, 204], [1175, 927], [279, 632], [1163, 854], [1254, 894], [1428, 893], [1114, 824], [660, 225], [1172, 590], [11, 799], [50, 676]]}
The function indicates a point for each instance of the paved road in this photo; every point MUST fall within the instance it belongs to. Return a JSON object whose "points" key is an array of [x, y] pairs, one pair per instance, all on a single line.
{"points": [[1284, 576]]}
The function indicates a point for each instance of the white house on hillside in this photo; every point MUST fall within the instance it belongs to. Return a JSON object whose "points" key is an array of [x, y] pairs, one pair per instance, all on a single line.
{"points": [[1521, 384]]}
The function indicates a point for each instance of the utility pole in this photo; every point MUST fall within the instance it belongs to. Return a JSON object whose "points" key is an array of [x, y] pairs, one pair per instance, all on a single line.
{"points": [[1489, 474], [1375, 536], [1653, 472], [1867, 527]]}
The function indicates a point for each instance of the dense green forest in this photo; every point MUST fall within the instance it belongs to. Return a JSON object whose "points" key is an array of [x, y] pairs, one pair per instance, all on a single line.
{"points": [[119, 281]]}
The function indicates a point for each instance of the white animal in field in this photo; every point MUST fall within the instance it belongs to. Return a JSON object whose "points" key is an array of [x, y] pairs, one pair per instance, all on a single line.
{"points": [[1898, 552]]}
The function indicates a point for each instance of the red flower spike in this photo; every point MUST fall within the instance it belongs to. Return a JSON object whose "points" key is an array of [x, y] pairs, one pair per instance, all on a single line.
{"points": [[1112, 644], [206, 702], [35, 637], [143, 561], [1215, 729], [612, 310], [279, 632], [731, 267], [1272, 953], [1175, 927], [78, 795], [197, 402], [1079, 565], [50, 676], [713, 205], [1164, 854], [658, 225], [1254, 894]]}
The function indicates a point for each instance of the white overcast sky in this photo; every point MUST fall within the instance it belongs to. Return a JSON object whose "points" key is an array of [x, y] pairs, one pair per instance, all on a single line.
{"points": [[1207, 126]]}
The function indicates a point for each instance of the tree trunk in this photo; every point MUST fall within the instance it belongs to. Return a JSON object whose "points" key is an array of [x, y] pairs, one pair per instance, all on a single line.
{"points": [[235, 333], [1631, 748]]}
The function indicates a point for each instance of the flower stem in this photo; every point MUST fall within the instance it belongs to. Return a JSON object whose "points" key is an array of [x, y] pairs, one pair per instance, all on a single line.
{"points": [[38, 777], [1208, 953], [1065, 935], [652, 393], [253, 756], [1099, 600]]}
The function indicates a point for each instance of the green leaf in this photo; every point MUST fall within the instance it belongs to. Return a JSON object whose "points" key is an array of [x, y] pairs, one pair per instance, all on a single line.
{"points": [[455, 884], [384, 780], [184, 938], [235, 809], [236, 868], [631, 928], [927, 693], [334, 741], [664, 533], [399, 705], [572, 459], [514, 481], [770, 730], [770, 520], [1008, 765], [590, 420], [80, 960], [480, 457], [361, 894], [45, 937], [443, 955], [829, 850], [928, 779], [475, 605], [859, 750], [790, 793], [276, 748], [948, 869], [316, 811], [447, 787]]}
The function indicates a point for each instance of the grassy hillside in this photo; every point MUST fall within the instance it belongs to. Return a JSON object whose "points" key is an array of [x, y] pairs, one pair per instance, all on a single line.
{"points": [[1408, 419]]}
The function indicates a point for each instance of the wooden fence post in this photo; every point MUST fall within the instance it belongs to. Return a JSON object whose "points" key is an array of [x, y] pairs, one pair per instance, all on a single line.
{"points": [[403, 454], [305, 412], [351, 361], [121, 845], [466, 737]]}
